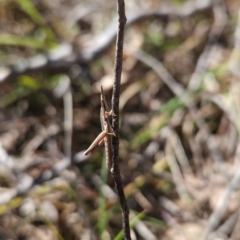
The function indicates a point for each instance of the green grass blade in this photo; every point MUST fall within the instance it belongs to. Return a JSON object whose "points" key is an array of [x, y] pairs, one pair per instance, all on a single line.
{"points": [[13, 40], [166, 110], [132, 224], [29, 8], [102, 219]]}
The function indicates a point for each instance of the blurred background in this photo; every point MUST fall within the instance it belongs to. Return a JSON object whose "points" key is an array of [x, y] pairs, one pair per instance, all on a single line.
{"points": [[179, 119]]}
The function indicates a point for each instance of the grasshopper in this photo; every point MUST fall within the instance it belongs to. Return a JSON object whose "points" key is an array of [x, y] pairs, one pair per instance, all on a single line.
{"points": [[107, 132]]}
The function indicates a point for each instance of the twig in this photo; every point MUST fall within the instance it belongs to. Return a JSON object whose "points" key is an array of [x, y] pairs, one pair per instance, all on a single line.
{"points": [[197, 154], [175, 170], [115, 122], [43, 133], [234, 59], [236, 231], [173, 223], [210, 49], [185, 97], [63, 90], [68, 121], [227, 227], [27, 182], [180, 154], [221, 208], [175, 210]]}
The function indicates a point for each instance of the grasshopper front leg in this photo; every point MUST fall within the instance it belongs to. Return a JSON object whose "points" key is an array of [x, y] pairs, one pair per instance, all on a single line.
{"points": [[96, 142]]}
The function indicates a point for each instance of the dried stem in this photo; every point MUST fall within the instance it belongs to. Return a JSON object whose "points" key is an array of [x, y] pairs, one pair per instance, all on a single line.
{"points": [[115, 123], [68, 121]]}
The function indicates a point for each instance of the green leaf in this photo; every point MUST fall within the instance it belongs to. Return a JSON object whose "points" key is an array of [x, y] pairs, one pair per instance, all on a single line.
{"points": [[29, 82]]}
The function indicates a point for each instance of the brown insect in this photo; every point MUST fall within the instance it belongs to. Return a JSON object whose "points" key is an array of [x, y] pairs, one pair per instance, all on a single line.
{"points": [[107, 132]]}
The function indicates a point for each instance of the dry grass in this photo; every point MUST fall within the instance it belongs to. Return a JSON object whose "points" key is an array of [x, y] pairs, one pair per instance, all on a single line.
{"points": [[179, 133]]}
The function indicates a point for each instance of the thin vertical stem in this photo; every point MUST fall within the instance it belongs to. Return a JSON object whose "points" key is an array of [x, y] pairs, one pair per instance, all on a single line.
{"points": [[115, 171]]}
